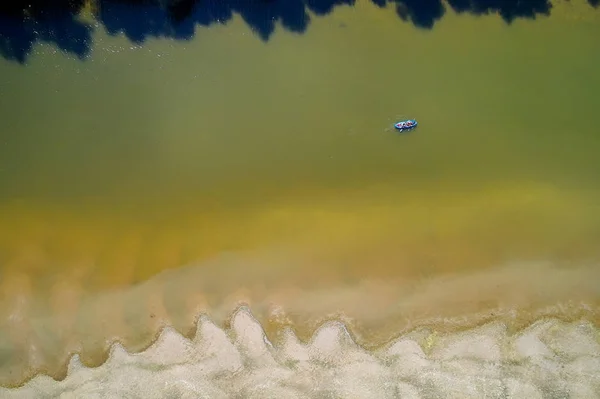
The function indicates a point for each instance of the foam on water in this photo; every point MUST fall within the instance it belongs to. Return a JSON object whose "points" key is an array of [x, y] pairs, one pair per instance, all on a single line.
{"points": [[549, 359]]}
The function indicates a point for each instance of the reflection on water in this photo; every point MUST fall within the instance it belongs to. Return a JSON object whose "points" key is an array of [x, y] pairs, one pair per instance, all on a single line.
{"points": [[149, 184], [59, 22]]}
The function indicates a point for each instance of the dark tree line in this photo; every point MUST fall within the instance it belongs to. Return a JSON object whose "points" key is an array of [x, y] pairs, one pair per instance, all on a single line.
{"points": [[25, 22]]}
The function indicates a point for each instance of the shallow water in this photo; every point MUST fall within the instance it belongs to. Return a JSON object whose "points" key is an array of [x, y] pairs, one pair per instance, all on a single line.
{"points": [[150, 183]]}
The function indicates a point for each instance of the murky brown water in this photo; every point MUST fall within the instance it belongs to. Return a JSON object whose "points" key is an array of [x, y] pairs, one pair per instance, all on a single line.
{"points": [[147, 184]]}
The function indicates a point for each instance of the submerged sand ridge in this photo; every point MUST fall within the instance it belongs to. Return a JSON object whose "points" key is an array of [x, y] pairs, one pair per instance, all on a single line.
{"points": [[397, 231]]}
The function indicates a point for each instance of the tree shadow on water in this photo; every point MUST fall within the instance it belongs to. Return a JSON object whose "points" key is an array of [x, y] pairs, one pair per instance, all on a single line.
{"points": [[23, 23], [142, 19], [508, 10], [422, 13], [425, 13]]}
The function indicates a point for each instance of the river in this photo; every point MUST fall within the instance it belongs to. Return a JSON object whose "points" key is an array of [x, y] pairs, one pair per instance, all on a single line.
{"points": [[151, 181]]}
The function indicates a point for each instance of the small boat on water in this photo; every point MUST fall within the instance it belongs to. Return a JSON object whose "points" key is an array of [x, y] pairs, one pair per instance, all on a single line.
{"points": [[406, 124]]}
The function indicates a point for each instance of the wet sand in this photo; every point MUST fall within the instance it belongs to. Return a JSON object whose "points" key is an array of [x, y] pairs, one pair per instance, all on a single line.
{"points": [[548, 359]]}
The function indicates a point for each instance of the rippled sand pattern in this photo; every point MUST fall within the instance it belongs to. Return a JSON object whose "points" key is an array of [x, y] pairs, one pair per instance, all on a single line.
{"points": [[550, 359]]}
